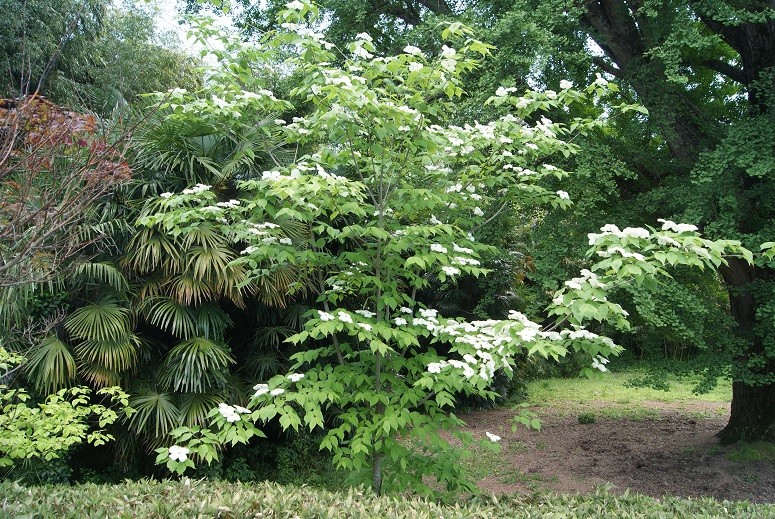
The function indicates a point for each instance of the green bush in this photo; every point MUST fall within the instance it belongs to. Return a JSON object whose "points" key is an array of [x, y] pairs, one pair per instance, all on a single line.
{"points": [[191, 499]]}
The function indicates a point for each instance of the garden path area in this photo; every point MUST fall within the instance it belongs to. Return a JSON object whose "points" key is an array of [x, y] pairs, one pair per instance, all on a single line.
{"points": [[661, 448]]}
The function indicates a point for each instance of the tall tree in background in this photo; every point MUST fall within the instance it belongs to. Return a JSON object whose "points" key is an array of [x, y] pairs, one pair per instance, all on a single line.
{"points": [[680, 58]]}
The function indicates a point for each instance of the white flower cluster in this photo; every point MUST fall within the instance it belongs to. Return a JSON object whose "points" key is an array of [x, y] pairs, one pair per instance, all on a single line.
{"points": [[460, 260], [599, 362], [412, 50], [231, 204], [295, 377], [450, 271], [263, 389], [627, 232], [231, 412], [586, 335], [492, 437], [271, 175], [306, 32], [178, 453], [199, 188], [667, 225], [504, 91], [587, 278], [611, 251]]}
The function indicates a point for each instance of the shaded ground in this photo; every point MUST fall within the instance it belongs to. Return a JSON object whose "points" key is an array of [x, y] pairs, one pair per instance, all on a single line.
{"points": [[665, 449]]}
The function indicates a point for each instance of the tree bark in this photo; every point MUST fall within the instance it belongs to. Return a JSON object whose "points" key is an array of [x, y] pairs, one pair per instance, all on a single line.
{"points": [[752, 412]]}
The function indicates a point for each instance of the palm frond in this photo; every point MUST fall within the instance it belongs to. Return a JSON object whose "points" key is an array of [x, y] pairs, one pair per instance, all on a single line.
{"points": [[50, 365], [156, 412], [150, 250], [99, 376], [295, 316], [104, 272], [212, 321], [263, 364], [271, 336], [114, 356], [195, 406], [106, 320], [188, 290], [196, 365], [169, 315]]}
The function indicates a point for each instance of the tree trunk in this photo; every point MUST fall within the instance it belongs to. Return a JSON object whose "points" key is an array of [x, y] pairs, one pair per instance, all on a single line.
{"points": [[752, 413]]}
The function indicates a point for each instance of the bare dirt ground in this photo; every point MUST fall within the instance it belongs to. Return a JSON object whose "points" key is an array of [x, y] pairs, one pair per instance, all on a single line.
{"points": [[671, 452]]}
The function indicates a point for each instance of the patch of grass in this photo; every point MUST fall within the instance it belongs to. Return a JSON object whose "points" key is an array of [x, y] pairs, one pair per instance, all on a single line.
{"points": [[587, 418], [484, 463], [748, 452], [611, 395]]}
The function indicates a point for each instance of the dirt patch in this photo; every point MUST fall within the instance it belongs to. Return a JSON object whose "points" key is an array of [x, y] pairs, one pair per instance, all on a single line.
{"points": [[672, 453]]}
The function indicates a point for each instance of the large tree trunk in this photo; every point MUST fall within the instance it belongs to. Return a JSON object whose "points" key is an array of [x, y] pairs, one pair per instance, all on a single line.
{"points": [[752, 413]]}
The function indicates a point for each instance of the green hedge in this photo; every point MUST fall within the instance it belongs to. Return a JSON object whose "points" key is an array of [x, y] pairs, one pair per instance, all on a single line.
{"points": [[220, 499]]}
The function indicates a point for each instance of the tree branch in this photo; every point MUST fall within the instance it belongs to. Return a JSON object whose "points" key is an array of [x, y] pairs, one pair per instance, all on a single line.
{"points": [[730, 71]]}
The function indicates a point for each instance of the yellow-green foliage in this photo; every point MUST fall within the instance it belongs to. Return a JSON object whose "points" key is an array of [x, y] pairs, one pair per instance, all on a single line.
{"points": [[217, 499]]}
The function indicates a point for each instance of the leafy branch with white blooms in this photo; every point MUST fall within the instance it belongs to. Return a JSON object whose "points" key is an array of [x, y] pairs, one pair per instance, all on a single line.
{"points": [[386, 199]]}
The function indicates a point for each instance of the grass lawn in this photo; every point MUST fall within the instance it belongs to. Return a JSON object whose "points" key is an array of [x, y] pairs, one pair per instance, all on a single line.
{"points": [[613, 396]]}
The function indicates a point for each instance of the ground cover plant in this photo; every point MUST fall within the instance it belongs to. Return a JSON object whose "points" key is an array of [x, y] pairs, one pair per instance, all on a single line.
{"points": [[194, 499]]}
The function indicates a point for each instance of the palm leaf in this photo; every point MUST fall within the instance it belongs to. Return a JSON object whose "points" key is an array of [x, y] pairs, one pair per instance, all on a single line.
{"points": [[196, 365], [149, 250], [105, 272], [205, 236], [195, 406], [50, 365], [188, 290], [264, 363], [208, 262], [114, 356], [170, 316], [99, 376], [104, 320], [212, 321], [156, 412], [294, 316]]}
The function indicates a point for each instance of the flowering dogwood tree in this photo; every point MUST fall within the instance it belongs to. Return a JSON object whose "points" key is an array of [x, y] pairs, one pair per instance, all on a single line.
{"points": [[388, 198]]}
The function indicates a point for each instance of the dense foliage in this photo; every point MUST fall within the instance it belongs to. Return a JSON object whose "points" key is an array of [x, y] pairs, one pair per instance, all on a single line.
{"points": [[316, 218]]}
